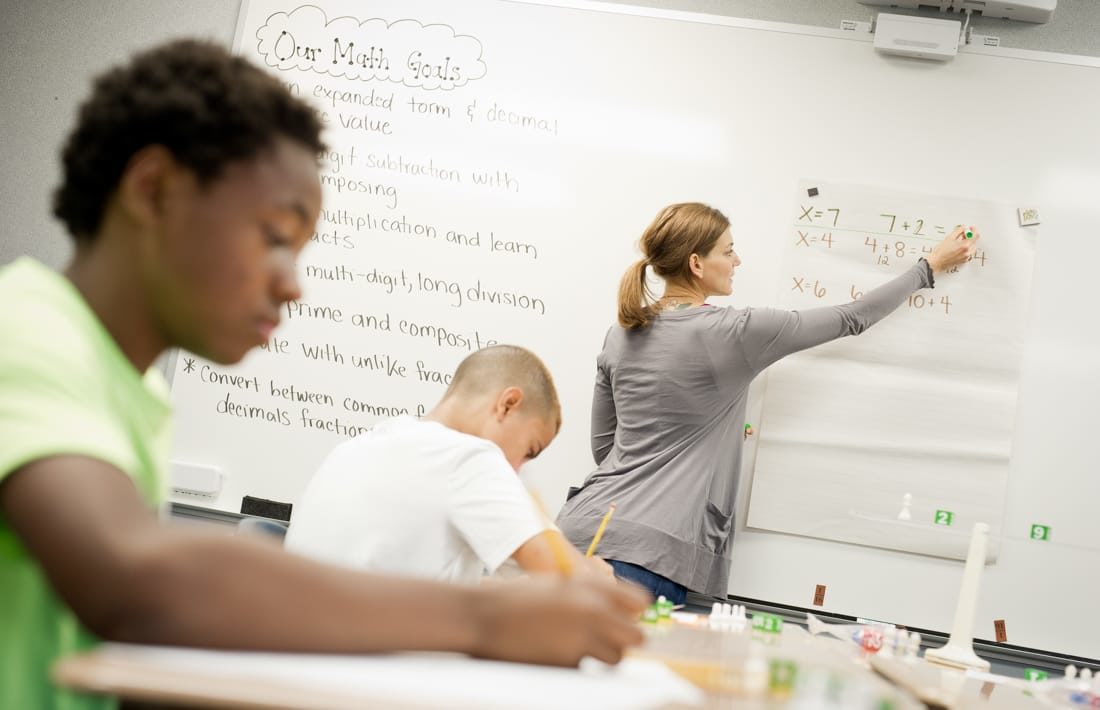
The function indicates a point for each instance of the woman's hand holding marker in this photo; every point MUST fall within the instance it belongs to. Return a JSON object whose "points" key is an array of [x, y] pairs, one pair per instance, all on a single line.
{"points": [[956, 249]]}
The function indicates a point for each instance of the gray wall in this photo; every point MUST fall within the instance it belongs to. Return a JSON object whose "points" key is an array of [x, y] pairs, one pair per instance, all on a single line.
{"points": [[50, 49]]}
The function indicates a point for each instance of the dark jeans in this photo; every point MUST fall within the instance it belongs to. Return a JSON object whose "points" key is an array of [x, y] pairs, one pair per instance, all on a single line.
{"points": [[654, 583]]}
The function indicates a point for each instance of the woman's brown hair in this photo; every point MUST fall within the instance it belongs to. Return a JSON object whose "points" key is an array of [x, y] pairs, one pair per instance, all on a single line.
{"points": [[678, 231]]}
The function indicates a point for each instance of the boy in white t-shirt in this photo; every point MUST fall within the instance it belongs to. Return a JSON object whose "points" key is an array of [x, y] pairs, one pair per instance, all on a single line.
{"points": [[439, 497]]}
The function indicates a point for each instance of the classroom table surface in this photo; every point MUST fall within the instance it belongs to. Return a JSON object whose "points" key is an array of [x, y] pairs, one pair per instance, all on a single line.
{"points": [[726, 669]]}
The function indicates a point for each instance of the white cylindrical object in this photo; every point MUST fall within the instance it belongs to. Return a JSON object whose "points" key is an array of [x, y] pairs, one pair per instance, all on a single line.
{"points": [[959, 651], [963, 629]]}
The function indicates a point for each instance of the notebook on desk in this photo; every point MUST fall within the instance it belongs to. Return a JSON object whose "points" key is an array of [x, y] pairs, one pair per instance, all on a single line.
{"points": [[415, 680]]}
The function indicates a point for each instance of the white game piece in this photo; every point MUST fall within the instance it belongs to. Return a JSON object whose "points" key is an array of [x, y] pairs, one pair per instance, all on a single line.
{"points": [[1086, 674], [901, 642], [913, 648], [889, 638], [724, 617], [1071, 672], [959, 651], [727, 617], [906, 501]]}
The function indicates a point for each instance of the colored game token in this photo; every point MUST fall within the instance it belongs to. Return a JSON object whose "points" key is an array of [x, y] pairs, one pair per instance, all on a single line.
{"points": [[768, 623]]}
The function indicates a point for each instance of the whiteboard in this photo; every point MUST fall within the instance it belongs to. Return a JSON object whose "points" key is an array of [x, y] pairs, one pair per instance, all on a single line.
{"points": [[503, 204], [900, 438]]}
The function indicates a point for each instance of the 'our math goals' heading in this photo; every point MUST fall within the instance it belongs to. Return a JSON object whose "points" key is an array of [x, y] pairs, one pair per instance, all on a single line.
{"points": [[404, 51]]}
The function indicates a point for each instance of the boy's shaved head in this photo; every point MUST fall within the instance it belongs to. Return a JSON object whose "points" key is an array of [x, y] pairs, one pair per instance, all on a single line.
{"points": [[492, 369]]}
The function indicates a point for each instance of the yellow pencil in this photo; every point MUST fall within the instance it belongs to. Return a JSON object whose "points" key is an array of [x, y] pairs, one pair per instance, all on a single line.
{"points": [[556, 543], [599, 531]]}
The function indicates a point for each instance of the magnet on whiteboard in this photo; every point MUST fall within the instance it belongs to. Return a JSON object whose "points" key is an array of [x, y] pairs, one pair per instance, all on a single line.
{"points": [[196, 480], [1027, 216], [812, 192]]}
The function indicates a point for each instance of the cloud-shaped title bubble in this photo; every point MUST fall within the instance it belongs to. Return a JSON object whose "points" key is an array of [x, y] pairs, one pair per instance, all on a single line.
{"points": [[405, 51]]}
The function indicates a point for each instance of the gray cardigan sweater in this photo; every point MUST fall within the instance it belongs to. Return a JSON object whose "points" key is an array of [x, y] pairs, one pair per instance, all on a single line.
{"points": [[668, 414]]}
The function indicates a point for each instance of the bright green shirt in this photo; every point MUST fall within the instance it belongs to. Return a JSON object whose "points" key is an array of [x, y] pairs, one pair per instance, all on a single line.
{"points": [[65, 388]]}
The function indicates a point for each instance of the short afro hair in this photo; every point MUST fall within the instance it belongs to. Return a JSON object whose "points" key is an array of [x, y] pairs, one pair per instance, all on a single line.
{"points": [[205, 105]]}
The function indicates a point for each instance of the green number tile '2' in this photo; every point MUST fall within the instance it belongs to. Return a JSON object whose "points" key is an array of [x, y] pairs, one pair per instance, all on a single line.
{"points": [[1040, 532], [768, 623], [944, 517]]}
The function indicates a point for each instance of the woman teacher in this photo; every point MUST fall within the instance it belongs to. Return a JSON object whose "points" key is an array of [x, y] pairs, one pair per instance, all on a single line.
{"points": [[668, 411]]}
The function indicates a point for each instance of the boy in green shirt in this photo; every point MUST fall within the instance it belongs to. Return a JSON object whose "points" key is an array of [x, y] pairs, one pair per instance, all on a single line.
{"points": [[190, 184]]}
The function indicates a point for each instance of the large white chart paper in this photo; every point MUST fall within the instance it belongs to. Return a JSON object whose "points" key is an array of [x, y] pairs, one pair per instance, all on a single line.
{"points": [[899, 438]]}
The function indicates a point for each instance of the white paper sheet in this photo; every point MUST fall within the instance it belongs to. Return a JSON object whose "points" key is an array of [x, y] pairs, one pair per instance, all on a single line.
{"points": [[429, 680]]}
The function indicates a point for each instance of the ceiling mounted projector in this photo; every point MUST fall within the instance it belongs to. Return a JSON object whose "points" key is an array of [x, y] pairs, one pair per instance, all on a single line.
{"points": [[1023, 10], [917, 36]]}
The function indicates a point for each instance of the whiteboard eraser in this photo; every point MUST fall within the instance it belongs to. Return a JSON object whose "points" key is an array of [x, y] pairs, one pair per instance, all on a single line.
{"points": [[919, 37], [1027, 216], [196, 480]]}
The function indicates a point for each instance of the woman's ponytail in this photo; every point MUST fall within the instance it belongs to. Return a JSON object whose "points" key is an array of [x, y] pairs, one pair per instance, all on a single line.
{"points": [[635, 307]]}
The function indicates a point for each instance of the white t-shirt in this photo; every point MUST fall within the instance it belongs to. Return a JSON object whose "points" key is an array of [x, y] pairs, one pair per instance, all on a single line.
{"points": [[412, 497]]}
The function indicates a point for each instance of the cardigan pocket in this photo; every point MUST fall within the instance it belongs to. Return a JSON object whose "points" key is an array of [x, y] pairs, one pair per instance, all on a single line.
{"points": [[716, 528]]}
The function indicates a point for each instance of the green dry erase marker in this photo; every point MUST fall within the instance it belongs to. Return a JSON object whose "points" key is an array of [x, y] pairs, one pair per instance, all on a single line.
{"points": [[969, 234]]}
